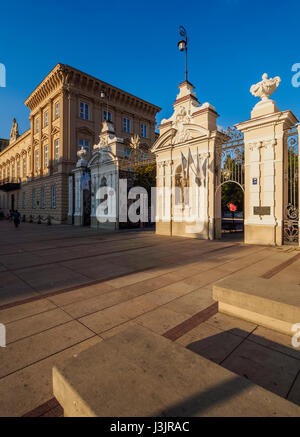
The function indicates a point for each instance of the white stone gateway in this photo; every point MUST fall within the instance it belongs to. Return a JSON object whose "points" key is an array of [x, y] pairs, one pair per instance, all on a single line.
{"points": [[185, 156]]}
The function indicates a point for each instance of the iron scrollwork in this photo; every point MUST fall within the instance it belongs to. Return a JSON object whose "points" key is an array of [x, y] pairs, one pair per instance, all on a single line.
{"points": [[291, 219]]}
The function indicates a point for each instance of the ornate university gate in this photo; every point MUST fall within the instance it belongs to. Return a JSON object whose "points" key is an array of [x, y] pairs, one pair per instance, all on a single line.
{"points": [[291, 187]]}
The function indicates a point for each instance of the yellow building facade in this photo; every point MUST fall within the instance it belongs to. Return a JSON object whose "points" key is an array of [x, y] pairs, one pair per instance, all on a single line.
{"points": [[67, 110]]}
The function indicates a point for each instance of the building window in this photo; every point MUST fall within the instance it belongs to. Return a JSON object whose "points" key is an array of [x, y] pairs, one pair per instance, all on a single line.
{"points": [[57, 149], [46, 157], [46, 118], [143, 130], [57, 109], [84, 111], [37, 160], [34, 199], [85, 144], [37, 125], [13, 172], [43, 197], [24, 167], [126, 125], [8, 175], [24, 200], [53, 196], [107, 116], [18, 170]]}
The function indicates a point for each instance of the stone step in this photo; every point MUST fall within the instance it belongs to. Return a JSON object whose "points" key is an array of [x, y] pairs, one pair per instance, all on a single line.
{"points": [[138, 373], [266, 302]]}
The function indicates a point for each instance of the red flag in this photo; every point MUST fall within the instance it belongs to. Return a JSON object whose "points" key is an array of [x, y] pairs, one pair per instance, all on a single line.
{"points": [[232, 207]]}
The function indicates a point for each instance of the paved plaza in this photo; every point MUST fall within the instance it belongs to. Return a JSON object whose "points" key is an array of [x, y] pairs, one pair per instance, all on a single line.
{"points": [[63, 289]]}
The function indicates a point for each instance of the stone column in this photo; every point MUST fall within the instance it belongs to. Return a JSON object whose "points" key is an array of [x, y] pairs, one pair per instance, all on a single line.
{"points": [[70, 200], [31, 158], [168, 195], [50, 137], [78, 197], [163, 222]]}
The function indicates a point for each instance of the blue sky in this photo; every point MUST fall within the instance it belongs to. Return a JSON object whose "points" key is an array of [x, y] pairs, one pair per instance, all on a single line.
{"points": [[133, 45]]}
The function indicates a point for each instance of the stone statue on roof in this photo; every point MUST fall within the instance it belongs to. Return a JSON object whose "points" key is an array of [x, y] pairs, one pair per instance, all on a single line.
{"points": [[14, 133]]}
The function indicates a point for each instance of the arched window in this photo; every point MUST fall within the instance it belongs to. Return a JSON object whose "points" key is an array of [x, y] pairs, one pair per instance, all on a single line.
{"points": [[178, 185], [181, 187], [103, 183]]}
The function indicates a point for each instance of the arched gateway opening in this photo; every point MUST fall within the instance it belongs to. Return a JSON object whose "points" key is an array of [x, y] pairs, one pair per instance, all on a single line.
{"points": [[229, 191], [232, 210]]}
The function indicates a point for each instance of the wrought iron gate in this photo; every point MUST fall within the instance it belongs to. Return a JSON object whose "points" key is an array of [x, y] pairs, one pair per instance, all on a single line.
{"points": [[229, 169], [291, 186], [230, 159]]}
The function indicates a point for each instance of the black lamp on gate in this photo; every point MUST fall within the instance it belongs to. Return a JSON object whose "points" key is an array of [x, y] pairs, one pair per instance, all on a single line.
{"points": [[182, 45]]}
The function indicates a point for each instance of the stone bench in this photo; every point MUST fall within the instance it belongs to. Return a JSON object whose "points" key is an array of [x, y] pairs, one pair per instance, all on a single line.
{"points": [[266, 302], [138, 373]]}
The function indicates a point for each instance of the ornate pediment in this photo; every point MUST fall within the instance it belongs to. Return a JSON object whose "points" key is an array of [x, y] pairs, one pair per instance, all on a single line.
{"points": [[189, 131], [101, 157], [45, 137], [85, 131], [184, 132], [55, 130], [180, 127], [165, 140]]}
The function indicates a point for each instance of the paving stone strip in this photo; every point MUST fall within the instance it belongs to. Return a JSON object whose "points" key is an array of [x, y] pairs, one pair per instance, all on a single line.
{"points": [[269, 274]]}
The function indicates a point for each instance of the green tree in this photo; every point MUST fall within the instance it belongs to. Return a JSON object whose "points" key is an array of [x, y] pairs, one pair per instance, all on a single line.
{"points": [[145, 176], [232, 192]]}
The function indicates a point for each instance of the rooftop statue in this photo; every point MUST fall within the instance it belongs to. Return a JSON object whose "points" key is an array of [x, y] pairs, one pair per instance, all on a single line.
{"points": [[266, 87], [14, 133]]}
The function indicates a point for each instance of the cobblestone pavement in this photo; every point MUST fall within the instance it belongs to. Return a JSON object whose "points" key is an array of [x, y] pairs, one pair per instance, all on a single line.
{"points": [[63, 289]]}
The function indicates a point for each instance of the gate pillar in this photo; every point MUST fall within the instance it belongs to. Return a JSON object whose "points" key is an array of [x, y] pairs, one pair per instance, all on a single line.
{"points": [[264, 166], [78, 172]]}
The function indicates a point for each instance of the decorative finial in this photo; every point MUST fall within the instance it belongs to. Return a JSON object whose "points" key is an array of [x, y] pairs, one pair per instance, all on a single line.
{"points": [[82, 155], [266, 87], [134, 142]]}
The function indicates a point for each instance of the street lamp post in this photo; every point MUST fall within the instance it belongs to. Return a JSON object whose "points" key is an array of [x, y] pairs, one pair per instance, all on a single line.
{"points": [[182, 45], [104, 96]]}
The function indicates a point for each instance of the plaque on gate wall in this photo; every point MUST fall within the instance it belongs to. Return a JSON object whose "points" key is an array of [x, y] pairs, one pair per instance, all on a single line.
{"points": [[261, 210]]}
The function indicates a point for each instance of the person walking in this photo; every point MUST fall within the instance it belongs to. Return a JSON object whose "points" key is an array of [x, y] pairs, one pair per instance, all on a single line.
{"points": [[17, 218]]}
